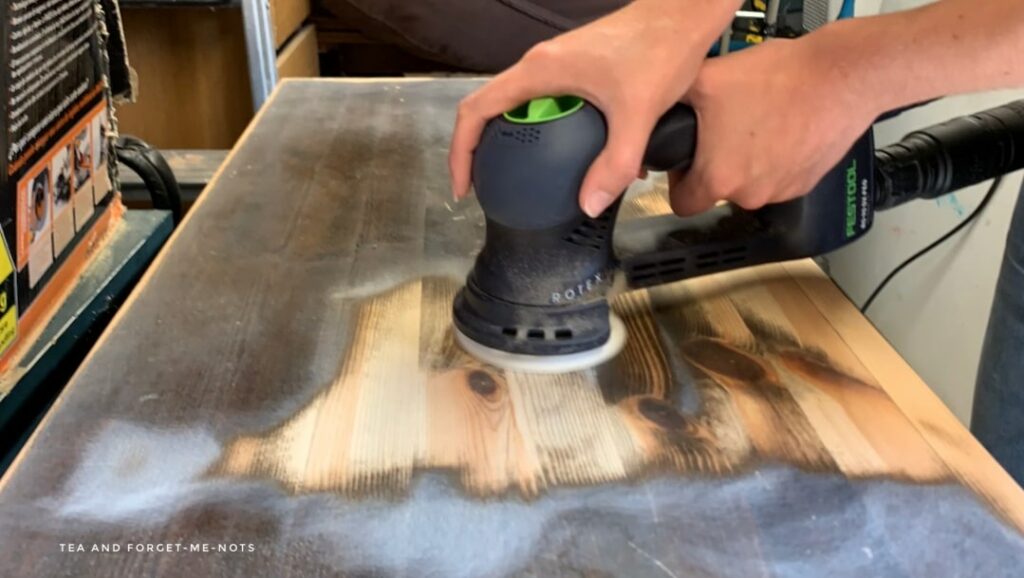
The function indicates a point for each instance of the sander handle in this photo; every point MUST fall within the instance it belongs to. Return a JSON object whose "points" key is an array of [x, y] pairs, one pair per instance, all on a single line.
{"points": [[925, 164], [666, 248], [673, 141]]}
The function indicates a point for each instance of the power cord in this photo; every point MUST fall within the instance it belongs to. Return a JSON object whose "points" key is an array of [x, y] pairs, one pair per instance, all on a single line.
{"points": [[152, 167], [960, 226]]}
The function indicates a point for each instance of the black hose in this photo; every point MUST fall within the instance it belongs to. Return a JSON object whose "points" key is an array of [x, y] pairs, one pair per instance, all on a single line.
{"points": [[951, 156], [156, 174]]}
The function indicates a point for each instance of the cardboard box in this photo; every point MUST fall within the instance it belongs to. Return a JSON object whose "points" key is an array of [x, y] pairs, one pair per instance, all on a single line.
{"points": [[55, 179]]}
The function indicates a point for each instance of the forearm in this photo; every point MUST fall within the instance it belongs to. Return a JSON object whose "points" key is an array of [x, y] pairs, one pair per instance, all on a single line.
{"points": [[949, 47], [699, 22]]}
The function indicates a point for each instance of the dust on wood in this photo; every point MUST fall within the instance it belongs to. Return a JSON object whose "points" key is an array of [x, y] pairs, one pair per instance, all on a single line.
{"points": [[407, 398]]}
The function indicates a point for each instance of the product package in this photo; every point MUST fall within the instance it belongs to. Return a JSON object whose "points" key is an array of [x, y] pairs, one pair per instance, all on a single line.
{"points": [[56, 188]]}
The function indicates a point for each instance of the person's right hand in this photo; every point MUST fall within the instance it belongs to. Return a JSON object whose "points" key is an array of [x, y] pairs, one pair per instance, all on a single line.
{"points": [[632, 64]]}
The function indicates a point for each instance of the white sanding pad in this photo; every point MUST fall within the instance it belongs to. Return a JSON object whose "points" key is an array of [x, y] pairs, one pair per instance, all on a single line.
{"points": [[549, 363]]}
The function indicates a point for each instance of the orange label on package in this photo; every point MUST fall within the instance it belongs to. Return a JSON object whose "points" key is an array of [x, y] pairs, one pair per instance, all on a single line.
{"points": [[44, 194]]}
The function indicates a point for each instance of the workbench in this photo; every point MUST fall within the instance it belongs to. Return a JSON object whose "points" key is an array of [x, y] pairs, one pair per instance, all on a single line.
{"points": [[282, 396], [44, 360]]}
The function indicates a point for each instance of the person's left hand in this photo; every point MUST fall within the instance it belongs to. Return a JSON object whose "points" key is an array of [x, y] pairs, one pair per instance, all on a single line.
{"points": [[772, 121]]}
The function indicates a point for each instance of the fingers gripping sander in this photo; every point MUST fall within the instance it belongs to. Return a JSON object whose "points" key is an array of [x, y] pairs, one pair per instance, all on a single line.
{"points": [[536, 298]]}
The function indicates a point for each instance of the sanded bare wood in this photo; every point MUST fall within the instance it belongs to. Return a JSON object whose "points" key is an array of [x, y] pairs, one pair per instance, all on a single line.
{"points": [[768, 392], [287, 377]]}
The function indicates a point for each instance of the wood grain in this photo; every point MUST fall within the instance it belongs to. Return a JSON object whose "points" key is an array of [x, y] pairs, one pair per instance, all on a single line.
{"points": [[763, 397], [192, 74], [287, 378], [299, 57], [193, 82], [287, 16]]}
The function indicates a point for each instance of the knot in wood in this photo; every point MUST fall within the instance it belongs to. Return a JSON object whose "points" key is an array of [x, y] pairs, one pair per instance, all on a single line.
{"points": [[661, 413], [482, 383]]}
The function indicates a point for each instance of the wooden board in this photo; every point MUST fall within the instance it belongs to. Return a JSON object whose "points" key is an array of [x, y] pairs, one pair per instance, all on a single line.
{"points": [[286, 16], [299, 58], [192, 75], [285, 383]]}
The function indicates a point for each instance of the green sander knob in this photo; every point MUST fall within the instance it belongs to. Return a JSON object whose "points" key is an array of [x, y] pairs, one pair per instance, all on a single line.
{"points": [[530, 163], [547, 109]]}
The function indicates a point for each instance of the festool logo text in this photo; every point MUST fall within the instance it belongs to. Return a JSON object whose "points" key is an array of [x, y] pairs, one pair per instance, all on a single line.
{"points": [[851, 200]]}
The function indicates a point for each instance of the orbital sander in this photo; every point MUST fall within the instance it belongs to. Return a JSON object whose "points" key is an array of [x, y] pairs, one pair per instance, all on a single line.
{"points": [[537, 298]]}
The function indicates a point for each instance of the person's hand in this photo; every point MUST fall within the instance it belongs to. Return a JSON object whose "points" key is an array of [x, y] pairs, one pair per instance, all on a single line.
{"points": [[632, 64], [772, 121]]}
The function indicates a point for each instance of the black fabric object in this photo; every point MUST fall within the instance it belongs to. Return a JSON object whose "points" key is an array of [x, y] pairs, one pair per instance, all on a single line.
{"points": [[476, 35], [997, 419]]}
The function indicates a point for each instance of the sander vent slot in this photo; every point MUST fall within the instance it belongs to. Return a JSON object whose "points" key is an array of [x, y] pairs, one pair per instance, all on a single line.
{"points": [[583, 242], [590, 233], [647, 271], [675, 268], [727, 256], [675, 263], [672, 271], [525, 135], [537, 334]]}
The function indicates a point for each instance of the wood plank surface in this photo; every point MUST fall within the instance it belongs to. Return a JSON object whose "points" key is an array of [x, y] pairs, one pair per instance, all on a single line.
{"points": [[299, 57], [287, 16], [285, 383]]}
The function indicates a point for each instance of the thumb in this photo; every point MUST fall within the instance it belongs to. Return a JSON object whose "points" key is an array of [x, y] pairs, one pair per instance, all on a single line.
{"points": [[617, 165]]}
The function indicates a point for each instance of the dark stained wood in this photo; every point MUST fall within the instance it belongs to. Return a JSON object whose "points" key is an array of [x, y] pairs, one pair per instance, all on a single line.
{"points": [[286, 381]]}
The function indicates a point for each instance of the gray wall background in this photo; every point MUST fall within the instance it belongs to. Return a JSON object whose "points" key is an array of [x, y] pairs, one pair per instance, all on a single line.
{"points": [[935, 312]]}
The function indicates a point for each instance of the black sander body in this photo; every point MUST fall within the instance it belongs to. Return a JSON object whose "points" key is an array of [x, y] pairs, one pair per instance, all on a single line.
{"points": [[537, 296]]}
